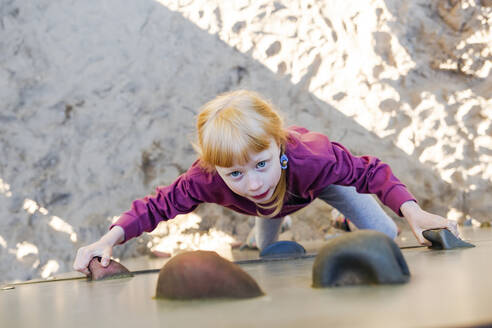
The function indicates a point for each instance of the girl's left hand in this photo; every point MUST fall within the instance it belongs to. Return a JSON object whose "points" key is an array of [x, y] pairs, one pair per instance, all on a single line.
{"points": [[420, 220]]}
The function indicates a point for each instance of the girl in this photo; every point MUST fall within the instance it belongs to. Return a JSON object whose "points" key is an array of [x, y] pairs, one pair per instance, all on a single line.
{"points": [[250, 163]]}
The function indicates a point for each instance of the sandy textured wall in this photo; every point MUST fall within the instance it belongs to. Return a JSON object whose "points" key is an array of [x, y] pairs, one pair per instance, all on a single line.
{"points": [[98, 100]]}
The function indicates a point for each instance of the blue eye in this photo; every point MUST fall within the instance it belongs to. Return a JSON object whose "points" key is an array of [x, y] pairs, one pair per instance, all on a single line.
{"points": [[235, 174], [261, 164]]}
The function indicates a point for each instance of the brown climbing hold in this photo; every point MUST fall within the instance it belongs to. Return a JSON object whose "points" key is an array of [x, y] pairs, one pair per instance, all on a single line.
{"points": [[114, 270], [204, 274]]}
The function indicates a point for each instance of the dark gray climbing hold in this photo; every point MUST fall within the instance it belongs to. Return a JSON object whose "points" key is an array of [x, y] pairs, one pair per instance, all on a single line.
{"points": [[114, 270], [444, 239], [362, 257], [283, 248], [202, 275]]}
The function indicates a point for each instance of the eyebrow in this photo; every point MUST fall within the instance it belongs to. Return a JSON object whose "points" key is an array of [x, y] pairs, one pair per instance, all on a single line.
{"points": [[259, 158]]}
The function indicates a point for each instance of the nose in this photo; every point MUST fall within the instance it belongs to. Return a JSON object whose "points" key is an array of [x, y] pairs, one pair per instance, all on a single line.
{"points": [[254, 182]]}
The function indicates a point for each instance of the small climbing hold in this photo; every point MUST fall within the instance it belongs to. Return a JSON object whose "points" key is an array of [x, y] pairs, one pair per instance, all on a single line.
{"points": [[283, 248], [485, 224], [114, 270]]}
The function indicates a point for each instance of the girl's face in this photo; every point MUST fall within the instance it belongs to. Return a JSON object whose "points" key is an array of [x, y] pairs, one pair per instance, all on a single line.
{"points": [[257, 179]]}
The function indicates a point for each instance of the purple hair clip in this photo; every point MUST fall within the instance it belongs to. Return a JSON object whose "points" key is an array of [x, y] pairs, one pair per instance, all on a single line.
{"points": [[283, 161]]}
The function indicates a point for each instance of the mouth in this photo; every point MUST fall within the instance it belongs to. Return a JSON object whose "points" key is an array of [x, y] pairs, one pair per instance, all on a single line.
{"points": [[262, 195]]}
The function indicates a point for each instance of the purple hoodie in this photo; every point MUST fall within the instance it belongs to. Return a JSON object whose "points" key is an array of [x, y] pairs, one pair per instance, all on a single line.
{"points": [[314, 163]]}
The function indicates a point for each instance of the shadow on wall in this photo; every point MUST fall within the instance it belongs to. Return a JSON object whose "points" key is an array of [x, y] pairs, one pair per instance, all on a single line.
{"points": [[448, 45], [136, 76]]}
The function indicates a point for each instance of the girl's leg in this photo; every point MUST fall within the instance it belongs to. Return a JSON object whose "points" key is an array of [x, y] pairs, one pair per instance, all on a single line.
{"points": [[266, 231], [361, 209]]}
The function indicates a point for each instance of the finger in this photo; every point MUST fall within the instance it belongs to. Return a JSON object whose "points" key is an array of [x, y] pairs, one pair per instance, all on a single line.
{"points": [[82, 269], [105, 257], [420, 238], [453, 227], [426, 243], [423, 241], [81, 260]]}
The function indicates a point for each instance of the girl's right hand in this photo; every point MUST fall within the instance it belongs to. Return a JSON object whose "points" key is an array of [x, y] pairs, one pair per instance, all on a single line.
{"points": [[103, 248], [86, 253]]}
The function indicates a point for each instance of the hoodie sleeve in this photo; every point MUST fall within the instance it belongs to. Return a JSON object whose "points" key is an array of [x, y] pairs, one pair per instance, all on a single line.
{"points": [[368, 174], [180, 197], [318, 162]]}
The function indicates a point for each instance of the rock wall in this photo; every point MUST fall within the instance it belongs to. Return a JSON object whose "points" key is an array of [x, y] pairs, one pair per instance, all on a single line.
{"points": [[99, 100]]}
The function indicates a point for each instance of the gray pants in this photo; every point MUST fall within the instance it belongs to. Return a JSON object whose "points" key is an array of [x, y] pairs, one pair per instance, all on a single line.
{"points": [[362, 210]]}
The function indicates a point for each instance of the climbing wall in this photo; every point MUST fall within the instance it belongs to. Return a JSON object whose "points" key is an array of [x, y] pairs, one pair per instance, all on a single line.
{"points": [[449, 288]]}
